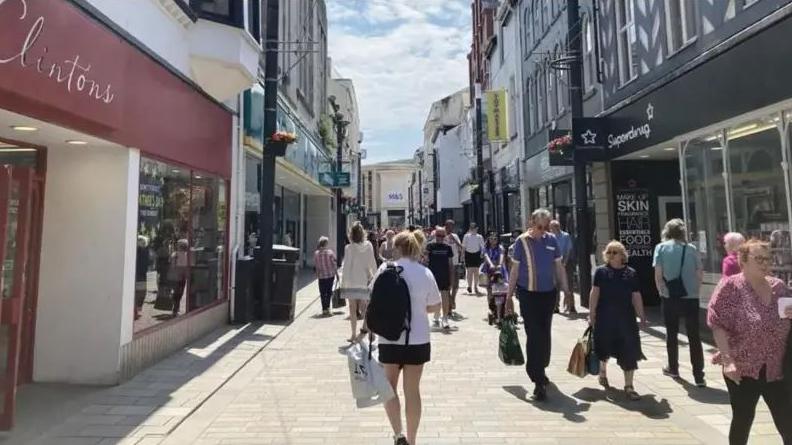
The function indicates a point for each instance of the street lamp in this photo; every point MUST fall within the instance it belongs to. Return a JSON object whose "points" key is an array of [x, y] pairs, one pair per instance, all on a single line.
{"points": [[340, 125]]}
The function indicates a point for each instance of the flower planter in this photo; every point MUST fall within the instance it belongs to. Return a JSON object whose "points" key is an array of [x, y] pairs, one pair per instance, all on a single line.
{"points": [[277, 148]]}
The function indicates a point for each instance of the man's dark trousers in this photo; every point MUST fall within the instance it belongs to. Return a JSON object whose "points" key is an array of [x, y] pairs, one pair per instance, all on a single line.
{"points": [[537, 312]]}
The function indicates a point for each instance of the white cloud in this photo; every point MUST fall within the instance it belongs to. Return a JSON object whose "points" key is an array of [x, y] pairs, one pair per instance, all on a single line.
{"points": [[402, 55]]}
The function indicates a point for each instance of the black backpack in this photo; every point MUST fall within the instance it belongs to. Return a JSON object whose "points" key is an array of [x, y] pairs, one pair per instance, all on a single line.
{"points": [[389, 312]]}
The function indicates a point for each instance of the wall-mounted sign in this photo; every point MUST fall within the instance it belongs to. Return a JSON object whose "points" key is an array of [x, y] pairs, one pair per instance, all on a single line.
{"points": [[634, 222], [394, 197], [497, 116], [334, 179]]}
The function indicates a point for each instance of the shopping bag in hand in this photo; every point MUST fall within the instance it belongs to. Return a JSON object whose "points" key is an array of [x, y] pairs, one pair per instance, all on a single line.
{"points": [[509, 349], [370, 386], [337, 301], [592, 361], [577, 362]]}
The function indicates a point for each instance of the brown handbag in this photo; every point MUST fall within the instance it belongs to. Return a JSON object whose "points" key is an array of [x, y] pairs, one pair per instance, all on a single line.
{"points": [[577, 362]]}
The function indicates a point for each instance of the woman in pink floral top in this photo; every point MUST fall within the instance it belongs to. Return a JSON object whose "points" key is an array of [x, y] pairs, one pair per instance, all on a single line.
{"points": [[752, 338], [731, 264]]}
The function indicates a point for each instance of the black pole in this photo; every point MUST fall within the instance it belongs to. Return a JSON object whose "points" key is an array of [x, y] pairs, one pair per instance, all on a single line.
{"points": [[266, 211], [478, 198], [339, 198], [360, 187], [420, 194], [581, 190], [435, 185]]}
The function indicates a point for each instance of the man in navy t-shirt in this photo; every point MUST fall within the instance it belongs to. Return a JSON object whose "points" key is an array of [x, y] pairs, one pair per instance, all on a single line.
{"points": [[537, 272], [439, 259]]}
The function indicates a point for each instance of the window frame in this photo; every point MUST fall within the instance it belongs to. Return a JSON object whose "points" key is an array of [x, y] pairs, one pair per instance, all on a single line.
{"points": [[626, 33], [688, 36]]}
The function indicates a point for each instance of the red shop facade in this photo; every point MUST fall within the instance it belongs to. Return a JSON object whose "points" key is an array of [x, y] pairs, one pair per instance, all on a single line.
{"points": [[114, 173]]}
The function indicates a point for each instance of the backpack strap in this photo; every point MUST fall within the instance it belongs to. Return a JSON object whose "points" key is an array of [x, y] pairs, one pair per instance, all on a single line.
{"points": [[408, 328]]}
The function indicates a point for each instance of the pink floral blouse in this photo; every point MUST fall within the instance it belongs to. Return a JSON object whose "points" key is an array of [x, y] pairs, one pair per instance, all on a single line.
{"points": [[757, 335]]}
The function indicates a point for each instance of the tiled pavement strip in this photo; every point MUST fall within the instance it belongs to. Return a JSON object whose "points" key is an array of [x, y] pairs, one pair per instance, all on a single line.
{"points": [[297, 391]]}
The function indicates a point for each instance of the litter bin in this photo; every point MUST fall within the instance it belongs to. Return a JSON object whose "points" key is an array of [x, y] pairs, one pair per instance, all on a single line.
{"points": [[244, 304], [284, 282]]}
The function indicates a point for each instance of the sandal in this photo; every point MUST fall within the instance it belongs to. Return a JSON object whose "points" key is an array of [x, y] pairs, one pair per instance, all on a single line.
{"points": [[603, 381], [631, 394]]}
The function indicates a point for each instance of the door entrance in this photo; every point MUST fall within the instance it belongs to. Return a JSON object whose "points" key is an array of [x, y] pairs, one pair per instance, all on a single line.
{"points": [[669, 207], [21, 190]]}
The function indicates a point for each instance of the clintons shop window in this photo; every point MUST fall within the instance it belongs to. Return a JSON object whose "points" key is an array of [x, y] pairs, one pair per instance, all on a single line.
{"points": [[181, 242]]}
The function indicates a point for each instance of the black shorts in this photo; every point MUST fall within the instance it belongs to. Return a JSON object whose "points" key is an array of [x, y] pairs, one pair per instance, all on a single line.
{"points": [[443, 283], [405, 354], [472, 260]]}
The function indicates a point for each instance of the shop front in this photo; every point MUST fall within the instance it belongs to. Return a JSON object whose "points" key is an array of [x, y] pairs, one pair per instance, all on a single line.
{"points": [[302, 208], [714, 150], [103, 186], [549, 187]]}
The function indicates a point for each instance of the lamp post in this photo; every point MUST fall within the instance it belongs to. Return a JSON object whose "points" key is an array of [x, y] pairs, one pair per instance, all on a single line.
{"points": [[340, 127], [478, 199], [581, 191], [266, 222]]}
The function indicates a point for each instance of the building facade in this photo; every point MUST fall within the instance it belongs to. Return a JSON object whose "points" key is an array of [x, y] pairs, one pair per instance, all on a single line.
{"points": [[117, 200], [443, 160], [303, 208], [387, 193], [504, 57], [697, 127]]}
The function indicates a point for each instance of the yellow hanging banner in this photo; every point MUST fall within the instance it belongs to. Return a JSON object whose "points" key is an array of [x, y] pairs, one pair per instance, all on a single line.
{"points": [[497, 115]]}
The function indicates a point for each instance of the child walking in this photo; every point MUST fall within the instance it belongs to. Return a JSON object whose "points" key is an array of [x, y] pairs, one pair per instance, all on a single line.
{"points": [[500, 289]]}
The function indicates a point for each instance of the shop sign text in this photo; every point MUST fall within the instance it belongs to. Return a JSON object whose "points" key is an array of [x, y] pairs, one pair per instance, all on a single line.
{"points": [[72, 73]]}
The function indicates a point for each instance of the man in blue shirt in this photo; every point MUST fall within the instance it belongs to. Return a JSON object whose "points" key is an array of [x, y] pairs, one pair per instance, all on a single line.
{"points": [[537, 272], [565, 245]]}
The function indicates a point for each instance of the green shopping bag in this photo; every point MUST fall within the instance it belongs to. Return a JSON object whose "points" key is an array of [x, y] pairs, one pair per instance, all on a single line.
{"points": [[509, 349]]}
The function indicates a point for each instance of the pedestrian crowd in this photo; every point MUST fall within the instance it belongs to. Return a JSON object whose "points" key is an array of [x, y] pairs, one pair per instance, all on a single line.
{"points": [[749, 311]]}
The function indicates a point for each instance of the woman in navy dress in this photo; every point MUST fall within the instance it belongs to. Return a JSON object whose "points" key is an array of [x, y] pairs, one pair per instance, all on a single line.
{"points": [[615, 301]]}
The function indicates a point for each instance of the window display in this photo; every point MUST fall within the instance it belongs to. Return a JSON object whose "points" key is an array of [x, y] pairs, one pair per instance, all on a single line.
{"points": [[181, 255], [706, 200]]}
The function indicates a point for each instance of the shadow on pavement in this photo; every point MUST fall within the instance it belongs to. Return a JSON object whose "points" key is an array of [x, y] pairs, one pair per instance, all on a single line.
{"points": [[557, 402], [649, 406], [708, 395]]}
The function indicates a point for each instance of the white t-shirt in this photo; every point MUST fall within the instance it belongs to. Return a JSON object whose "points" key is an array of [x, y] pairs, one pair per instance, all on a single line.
{"points": [[423, 293], [450, 240], [473, 243]]}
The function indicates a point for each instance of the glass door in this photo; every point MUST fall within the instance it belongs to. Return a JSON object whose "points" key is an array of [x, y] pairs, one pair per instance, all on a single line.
{"points": [[16, 196]]}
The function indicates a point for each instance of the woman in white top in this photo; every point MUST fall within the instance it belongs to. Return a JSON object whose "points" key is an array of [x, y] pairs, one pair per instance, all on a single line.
{"points": [[473, 243], [396, 355], [357, 271]]}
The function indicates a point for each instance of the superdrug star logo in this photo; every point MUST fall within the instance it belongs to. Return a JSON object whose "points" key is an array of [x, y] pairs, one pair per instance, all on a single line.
{"points": [[589, 137]]}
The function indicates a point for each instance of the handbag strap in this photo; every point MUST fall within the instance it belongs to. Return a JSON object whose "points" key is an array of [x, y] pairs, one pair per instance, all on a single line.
{"points": [[682, 263]]}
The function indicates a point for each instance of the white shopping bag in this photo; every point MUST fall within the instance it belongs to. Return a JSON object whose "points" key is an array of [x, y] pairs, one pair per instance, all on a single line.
{"points": [[370, 387]]}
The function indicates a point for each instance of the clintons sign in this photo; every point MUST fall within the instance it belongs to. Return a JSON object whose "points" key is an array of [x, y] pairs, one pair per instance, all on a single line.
{"points": [[73, 74], [61, 65]]}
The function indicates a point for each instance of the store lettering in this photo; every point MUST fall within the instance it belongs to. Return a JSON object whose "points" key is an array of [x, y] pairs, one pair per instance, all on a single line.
{"points": [[70, 72], [633, 133]]}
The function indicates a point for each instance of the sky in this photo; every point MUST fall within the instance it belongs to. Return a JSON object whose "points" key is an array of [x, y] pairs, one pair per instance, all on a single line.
{"points": [[401, 55]]}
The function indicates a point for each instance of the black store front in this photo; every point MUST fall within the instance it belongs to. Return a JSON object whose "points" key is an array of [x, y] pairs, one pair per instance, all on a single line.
{"points": [[712, 146]]}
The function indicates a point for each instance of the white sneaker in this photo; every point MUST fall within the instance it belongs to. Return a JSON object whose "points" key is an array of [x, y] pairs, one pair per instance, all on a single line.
{"points": [[436, 323], [446, 325]]}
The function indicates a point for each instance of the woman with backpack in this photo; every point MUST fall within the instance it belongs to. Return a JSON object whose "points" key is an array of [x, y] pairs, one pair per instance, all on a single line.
{"points": [[408, 353], [357, 270]]}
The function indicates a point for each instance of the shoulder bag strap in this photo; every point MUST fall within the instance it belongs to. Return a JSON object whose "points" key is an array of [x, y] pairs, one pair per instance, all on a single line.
{"points": [[682, 263]]}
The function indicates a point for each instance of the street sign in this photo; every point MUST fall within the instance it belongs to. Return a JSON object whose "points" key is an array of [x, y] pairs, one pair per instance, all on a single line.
{"points": [[334, 179]]}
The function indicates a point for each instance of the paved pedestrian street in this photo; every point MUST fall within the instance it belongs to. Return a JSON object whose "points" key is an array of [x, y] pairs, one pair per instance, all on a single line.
{"points": [[296, 390]]}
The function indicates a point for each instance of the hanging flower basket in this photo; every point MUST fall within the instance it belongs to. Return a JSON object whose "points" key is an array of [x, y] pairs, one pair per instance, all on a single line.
{"points": [[279, 142], [559, 145]]}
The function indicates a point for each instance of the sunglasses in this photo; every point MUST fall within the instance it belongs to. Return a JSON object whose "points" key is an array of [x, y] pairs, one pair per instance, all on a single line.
{"points": [[762, 259], [612, 252]]}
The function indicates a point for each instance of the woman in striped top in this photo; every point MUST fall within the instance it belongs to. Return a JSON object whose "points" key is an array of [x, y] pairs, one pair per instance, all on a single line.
{"points": [[326, 267]]}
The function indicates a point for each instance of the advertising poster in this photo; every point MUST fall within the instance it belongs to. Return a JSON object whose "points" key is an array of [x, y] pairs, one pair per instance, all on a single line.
{"points": [[634, 222]]}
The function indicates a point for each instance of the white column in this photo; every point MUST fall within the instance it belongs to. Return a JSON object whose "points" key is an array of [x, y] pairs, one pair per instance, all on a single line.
{"points": [[86, 289]]}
